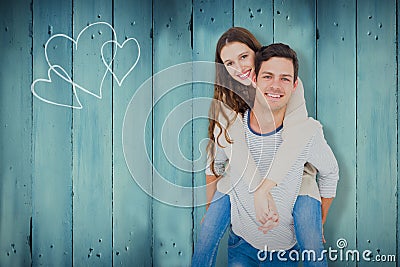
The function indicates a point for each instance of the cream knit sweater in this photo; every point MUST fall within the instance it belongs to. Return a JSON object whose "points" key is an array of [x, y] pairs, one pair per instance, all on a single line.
{"points": [[298, 129]]}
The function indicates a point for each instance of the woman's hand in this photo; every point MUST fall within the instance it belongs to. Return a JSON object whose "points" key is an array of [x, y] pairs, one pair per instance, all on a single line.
{"points": [[266, 211]]}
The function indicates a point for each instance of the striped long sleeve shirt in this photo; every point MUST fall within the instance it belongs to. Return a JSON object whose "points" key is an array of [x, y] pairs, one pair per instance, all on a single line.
{"points": [[263, 149]]}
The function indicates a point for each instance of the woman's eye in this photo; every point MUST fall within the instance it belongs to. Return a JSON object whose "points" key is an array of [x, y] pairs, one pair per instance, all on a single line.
{"points": [[244, 56], [228, 64]]}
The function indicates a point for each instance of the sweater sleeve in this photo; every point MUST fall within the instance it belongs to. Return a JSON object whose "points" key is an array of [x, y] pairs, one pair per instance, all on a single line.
{"points": [[298, 131], [241, 163], [322, 157], [220, 160]]}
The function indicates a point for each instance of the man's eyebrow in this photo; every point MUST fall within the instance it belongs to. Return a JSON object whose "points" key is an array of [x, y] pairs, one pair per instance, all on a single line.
{"points": [[282, 74], [266, 72]]}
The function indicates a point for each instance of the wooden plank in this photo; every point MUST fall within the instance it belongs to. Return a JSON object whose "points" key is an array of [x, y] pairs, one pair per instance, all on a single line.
{"points": [[132, 222], [398, 130], [210, 20], [172, 240], [15, 134], [376, 127], [256, 16], [294, 24], [52, 158], [92, 137], [336, 109]]}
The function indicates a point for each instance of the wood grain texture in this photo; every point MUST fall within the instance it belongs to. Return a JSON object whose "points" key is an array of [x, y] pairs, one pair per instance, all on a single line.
{"points": [[52, 158], [92, 139], [256, 16], [64, 183], [398, 129], [295, 25], [15, 134], [336, 50], [172, 225], [132, 222], [376, 131], [210, 20]]}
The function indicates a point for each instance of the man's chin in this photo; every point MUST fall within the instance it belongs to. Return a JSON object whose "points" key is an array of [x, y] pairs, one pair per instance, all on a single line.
{"points": [[275, 107]]}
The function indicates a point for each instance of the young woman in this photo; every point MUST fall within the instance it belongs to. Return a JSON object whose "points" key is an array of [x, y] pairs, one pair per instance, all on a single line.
{"points": [[235, 51]]}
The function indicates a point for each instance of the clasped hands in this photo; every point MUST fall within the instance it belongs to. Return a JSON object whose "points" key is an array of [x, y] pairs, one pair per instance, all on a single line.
{"points": [[266, 212]]}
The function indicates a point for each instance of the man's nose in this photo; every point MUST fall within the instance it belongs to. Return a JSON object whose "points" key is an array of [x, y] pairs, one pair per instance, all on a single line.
{"points": [[275, 83]]}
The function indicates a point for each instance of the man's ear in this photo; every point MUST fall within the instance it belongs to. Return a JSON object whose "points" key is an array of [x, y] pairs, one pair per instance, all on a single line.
{"points": [[254, 81], [296, 83]]}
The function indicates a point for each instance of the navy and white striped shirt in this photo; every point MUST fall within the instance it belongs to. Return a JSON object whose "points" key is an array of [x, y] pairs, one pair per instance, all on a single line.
{"points": [[263, 148]]}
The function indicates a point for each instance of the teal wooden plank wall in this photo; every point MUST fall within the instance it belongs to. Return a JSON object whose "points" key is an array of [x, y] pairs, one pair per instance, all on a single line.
{"points": [[67, 196], [336, 49], [52, 183]]}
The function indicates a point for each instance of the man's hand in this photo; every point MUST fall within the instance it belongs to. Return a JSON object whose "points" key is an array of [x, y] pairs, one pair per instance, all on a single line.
{"points": [[325, 205], [266, 211]]}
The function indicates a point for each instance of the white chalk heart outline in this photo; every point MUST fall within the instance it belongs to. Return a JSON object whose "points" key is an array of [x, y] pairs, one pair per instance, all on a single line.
{"points": [[75, 42], [49, 80], [120, 46]]}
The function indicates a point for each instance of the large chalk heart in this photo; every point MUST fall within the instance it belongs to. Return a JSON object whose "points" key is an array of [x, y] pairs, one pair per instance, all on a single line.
{"points": [[56, 90], [125, 52], [85, 68]]}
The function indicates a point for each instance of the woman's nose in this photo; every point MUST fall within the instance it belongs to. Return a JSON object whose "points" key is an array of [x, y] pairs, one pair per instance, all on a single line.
{"points": [[242, 66]]}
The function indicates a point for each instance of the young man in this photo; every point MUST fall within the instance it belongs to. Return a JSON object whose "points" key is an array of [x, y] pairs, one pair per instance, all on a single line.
{"points": [[276, 71]]}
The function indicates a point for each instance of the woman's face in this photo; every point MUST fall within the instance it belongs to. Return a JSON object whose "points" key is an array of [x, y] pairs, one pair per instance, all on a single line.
{"points": [[238, 59]]}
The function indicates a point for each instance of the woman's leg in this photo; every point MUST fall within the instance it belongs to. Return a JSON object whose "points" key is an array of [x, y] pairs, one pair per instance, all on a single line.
{"points": [[308, 227], [216, 221]]}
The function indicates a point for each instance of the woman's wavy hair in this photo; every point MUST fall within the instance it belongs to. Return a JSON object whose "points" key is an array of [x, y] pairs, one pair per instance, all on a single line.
{"points": [[228, 91]]}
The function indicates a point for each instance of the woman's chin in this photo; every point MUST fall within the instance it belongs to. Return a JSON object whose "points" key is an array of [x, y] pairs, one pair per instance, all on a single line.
{"points": [[246, 82]]}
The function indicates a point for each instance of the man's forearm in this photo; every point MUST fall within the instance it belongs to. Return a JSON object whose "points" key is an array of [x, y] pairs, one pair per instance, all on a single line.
{"points": [[325, 205]]}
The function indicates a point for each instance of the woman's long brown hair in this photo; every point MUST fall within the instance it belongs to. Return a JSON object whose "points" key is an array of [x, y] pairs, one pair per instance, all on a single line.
{"points": [[235, 95]]}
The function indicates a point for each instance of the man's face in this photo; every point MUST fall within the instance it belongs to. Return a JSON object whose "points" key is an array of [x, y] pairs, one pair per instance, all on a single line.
{"points": [[275, 83]]}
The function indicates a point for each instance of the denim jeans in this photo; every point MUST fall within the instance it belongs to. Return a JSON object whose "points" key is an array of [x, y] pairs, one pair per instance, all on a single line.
{"points": [[242, 254], [212, 229], [308, 228], [307, 224]]}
